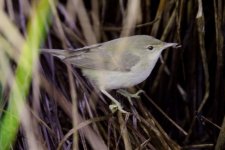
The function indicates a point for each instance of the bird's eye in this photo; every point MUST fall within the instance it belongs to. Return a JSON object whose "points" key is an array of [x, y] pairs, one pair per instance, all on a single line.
{"points": [[150, 47]]}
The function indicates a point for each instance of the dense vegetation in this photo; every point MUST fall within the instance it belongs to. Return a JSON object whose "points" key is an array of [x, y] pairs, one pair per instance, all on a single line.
{"points": [[183, 105]]}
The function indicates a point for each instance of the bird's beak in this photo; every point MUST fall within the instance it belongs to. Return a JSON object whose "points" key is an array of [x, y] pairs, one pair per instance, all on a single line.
{"points": [[174, 45]]}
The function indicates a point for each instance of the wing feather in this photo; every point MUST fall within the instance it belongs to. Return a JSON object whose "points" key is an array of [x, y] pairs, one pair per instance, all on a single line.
{"points": [[101, 59]]}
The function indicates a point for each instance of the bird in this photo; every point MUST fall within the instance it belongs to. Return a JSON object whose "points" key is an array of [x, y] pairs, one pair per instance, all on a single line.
{"points": [[117, 64]]}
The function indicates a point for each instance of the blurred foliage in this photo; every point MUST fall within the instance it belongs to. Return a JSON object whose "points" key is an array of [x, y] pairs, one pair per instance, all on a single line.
{"points": [[20, 85]]}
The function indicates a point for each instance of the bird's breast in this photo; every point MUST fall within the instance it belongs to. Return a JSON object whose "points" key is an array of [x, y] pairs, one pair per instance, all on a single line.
{"points": [[116, 79]]}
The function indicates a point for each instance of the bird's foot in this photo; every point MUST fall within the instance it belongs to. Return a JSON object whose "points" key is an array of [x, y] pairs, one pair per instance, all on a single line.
{"points": [[116, 105], [128, 95]]}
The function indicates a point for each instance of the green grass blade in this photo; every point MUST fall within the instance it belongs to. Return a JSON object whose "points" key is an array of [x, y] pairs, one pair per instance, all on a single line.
{"points": [[36, 32]]}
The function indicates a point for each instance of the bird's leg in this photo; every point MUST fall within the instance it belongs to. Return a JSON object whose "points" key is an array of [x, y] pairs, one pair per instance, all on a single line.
{"points": [[128, 95], [116, 104]]}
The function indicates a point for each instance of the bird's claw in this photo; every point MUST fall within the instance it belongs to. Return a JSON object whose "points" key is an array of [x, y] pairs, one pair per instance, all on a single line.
{"points": [[115, 107], [129, 95]]}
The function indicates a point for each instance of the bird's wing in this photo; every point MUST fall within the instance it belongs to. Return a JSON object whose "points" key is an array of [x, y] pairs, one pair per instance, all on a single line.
{"points": [[100, 58]]}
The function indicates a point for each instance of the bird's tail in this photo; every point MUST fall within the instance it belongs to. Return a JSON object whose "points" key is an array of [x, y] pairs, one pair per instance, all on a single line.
{"points": [[62, 54]]}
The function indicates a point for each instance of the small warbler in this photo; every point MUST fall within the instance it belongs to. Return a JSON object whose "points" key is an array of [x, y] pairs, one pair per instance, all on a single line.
{"points": [[119, 63]]}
